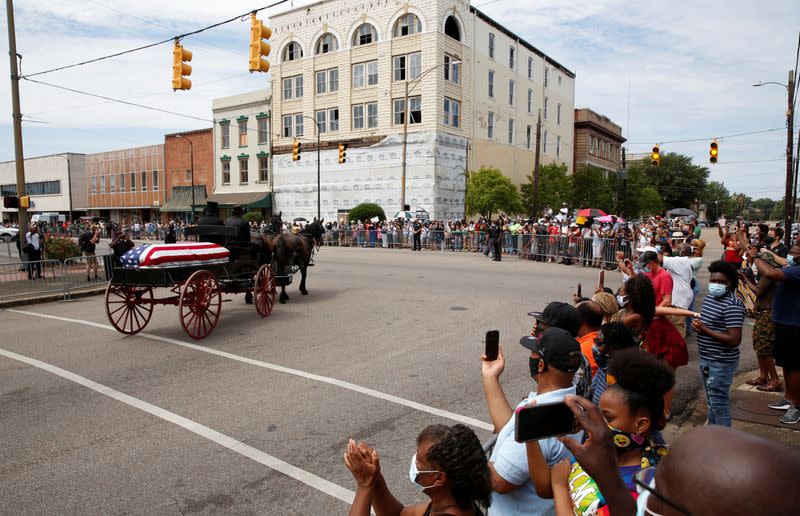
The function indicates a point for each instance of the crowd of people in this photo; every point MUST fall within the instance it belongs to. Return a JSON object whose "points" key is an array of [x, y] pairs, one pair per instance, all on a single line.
{"points": [[611, 358]]}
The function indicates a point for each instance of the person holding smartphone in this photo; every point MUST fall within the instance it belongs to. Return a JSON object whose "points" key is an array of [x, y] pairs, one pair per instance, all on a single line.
{"points": [[554, 358]]}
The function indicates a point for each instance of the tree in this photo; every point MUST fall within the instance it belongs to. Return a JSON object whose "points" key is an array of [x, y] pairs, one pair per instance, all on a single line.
{"points": [[489, 192], [554, 188], [678, 181], [252, 216], [777, 211], [717, 200], [591, 189], [366, 211], [649, 202]]}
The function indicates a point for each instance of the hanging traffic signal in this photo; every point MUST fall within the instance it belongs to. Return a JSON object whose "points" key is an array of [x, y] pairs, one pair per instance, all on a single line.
{"points": [[180, 56], [258, 48], [655, 158], [713, 152], [296, 150], [342, 153]]}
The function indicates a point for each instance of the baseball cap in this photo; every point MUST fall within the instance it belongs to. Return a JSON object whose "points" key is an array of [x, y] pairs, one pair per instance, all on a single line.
{"points": [[647, 257], [645, 249], [560, 315], [557, 347]]}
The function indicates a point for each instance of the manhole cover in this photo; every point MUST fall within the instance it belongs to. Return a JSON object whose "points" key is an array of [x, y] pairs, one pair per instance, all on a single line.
{"points": [[457, 308]]}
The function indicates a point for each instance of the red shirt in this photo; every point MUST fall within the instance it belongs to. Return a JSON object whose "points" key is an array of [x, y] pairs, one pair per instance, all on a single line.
{"points": [[732, 255], [662, 284]]}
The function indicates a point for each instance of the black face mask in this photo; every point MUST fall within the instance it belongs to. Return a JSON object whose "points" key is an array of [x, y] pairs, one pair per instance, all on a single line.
{"points": [[769, 240], [533, 363]]}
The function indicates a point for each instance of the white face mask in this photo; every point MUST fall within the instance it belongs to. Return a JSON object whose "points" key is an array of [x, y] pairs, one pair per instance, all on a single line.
{"points": [[413, 473]]}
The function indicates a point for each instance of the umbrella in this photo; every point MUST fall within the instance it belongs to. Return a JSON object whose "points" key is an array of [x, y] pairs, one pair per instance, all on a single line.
{"points": [[408, 215], [607, 218], [681, 212], [591, 212], [301, 219]]}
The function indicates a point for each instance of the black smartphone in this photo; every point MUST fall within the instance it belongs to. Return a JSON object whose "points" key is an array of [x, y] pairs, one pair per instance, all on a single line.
{"points": [[579, 290], [543, 421], [492, 344]]}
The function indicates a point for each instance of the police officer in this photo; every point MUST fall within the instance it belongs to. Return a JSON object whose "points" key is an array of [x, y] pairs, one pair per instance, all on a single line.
{"points": [[416, 227], [496, 235]]}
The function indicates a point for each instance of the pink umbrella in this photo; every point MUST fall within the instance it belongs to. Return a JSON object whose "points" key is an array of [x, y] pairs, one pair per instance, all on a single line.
{"points": [[607, 218]]}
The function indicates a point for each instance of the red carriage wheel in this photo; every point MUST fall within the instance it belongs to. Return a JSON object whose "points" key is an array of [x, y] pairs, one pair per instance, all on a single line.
{"points": [[128, 308], [200, 304], [265, 290]]}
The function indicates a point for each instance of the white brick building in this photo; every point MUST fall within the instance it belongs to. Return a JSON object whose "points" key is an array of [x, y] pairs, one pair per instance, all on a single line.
{"points": [[347, 65]]}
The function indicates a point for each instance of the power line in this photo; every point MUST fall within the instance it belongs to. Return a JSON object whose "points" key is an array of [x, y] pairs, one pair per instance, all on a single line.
{"points": [[712, 137], [144, 47]]}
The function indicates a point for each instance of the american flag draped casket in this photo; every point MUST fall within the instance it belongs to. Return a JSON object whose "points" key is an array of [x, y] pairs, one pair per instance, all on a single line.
{"points": [[175, 255]]}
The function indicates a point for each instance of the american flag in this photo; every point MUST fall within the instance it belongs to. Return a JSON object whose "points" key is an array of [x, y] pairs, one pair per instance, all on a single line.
{"points": [[175, 255]]}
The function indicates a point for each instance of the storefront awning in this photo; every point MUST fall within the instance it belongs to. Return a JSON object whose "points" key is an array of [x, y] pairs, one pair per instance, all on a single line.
{"points": [[247, 200], [181, 199]]}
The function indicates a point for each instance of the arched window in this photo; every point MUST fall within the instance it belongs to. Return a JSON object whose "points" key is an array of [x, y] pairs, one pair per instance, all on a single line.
{"points": [[292, 52], [407, 25], [327, 43], [452, 29], [364, 35]]}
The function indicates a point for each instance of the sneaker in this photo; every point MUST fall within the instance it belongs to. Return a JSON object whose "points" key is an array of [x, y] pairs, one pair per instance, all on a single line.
{"points": [[792, 416], [781, 404]]}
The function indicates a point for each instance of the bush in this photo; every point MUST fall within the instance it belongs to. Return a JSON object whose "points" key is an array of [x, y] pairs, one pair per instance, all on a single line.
{"points": [[365, 212], [61, 248], [252, 216]]}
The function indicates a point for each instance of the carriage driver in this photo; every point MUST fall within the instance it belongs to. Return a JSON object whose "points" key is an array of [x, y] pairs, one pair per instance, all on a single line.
{"points": [[242, 227]]}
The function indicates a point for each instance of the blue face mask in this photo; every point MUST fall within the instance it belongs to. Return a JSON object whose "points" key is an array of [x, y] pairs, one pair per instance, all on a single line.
{"points": [[658, 249], [717, 289], [790, 260]]}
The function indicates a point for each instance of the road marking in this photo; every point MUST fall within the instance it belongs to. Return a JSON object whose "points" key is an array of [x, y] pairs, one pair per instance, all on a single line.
{"points": [[223, 440], [446, 414]]}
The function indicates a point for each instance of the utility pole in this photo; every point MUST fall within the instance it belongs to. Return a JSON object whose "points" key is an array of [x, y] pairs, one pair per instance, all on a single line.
{"points": [[787, 204], [17, 118], [625, 184], [405, 149], [319, 204], [535, 207]]}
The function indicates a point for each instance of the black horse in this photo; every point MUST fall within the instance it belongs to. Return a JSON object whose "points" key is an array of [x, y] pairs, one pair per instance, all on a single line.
{"points": [[295, 251]]}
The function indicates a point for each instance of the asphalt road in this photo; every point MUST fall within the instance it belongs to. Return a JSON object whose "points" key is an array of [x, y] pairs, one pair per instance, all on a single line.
{"points": [[173, 426]]}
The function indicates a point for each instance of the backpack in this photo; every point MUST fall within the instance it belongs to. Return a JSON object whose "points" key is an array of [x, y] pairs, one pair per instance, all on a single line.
{"points": [[83, 241]]}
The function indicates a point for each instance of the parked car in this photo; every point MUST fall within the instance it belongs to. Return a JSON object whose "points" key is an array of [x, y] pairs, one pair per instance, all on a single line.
{"points": [[6, 234]]}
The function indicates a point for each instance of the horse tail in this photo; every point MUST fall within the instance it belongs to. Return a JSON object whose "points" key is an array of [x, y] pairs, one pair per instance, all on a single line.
{"points": [[281, 254]]}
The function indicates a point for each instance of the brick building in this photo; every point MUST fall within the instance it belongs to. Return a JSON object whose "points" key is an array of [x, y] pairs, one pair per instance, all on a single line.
{"points": [[188, 159], [597, 141]]}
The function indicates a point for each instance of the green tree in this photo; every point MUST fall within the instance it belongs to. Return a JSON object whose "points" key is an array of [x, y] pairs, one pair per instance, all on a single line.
{"points": [[592, 189], [678, 181], [777, 211], [252, 216], [366, 211], [717, 199], [763, 207], [489, 192], [554, 188], [649, 202]]}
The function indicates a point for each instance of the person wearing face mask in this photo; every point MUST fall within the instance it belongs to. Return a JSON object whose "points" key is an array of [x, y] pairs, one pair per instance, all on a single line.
{"points": [[763, 328], [719, 333], [612, 337], [633, 409], [449, 466], [774, 242], [554, 358]]}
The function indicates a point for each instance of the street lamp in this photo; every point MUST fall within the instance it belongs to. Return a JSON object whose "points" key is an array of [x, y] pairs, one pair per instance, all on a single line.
{"points": [[787, 205], [191, 168], [405, 124]]}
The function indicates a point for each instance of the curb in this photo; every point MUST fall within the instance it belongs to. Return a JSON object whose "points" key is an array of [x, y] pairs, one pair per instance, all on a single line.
{"points": [[47, 298]]}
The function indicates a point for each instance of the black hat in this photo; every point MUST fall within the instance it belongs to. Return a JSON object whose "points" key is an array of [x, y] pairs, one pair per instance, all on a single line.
{"points": [[560, 315], [647, 257], [212, 206], [557, 347], [237, 210]]}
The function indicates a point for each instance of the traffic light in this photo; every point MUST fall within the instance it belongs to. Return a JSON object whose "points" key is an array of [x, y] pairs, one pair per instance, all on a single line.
{"points": [[258, 48], [25, 202], [180, 56], [296, 150], [342, 153], [11, 201], [713, 152], [655, 158]]}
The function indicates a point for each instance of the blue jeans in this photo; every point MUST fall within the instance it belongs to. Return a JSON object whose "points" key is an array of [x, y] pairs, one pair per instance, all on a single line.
{"points": [[717, 378]]}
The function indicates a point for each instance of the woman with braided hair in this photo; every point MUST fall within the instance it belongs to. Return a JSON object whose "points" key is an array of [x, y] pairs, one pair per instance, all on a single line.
{"points": [[449, 466]]}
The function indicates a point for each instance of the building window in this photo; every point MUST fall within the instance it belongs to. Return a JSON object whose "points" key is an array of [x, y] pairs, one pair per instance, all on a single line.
{"points": [[188, 175], [491, 46], [122, 182], [545, 108], [243, 169], [293, 87], [298, 86], [333, 120], [263, 130], [530, 68], [327, 43], [452, 29], [358, 116], [322, 82], [287, 126], [327, 81], [155, 180], [94, 185], [559, 80], [133, 181], [530, 100], [490, 126], [102, 184], [414, 110], [491, 84], [263, 169], [558, 113], [558, 146], [322, 120], [225, 128], [407, 25], [358, 75], [298, 124], [144, 180], [292, 125], [226, 172], [372, 73], [544, 142], [372, 114], [242, 132], [364, 35], [528, 137], [112, 183], [452, 112], [511, 93], [287, 88], [511, 57], [592, 145], [407, 66], [292, 52], [511, 131], [546, 76], [333, 80], [452, 69]]}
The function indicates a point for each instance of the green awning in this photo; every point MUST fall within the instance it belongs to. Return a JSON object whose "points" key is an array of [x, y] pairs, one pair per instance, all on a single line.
{"points": [[181, 199], [246, 200]]}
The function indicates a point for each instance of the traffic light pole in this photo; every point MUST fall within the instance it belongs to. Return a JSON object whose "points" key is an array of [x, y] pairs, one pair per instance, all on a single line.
{"points": [[319, 203], [17, 118], [535, 206], [787, 204]]}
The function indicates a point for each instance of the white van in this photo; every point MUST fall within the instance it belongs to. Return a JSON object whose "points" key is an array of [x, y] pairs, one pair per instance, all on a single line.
{"points": [[48, 217]]}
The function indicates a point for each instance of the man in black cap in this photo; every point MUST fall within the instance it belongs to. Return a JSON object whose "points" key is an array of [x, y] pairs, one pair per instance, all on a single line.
{"points": [[554, 359], [211, 218], [242, 227]]}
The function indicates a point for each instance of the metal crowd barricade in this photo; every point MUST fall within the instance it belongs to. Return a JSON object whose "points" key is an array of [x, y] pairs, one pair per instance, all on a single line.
{"points": [[75, 274], [19, 279]]}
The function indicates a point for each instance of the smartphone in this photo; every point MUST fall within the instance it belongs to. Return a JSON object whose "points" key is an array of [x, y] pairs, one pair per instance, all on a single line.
{"points": [[543, 421], [579, 290], [601, 279], [492, 344]]}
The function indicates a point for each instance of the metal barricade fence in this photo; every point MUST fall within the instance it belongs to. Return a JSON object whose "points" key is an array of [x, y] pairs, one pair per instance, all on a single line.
{"points": [[18, 279], [76, 275], [571, 250]]}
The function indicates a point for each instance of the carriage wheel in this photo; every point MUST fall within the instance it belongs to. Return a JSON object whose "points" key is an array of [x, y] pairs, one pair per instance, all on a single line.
{"points": [[265, 290], [200, 304], [127, 308]]}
